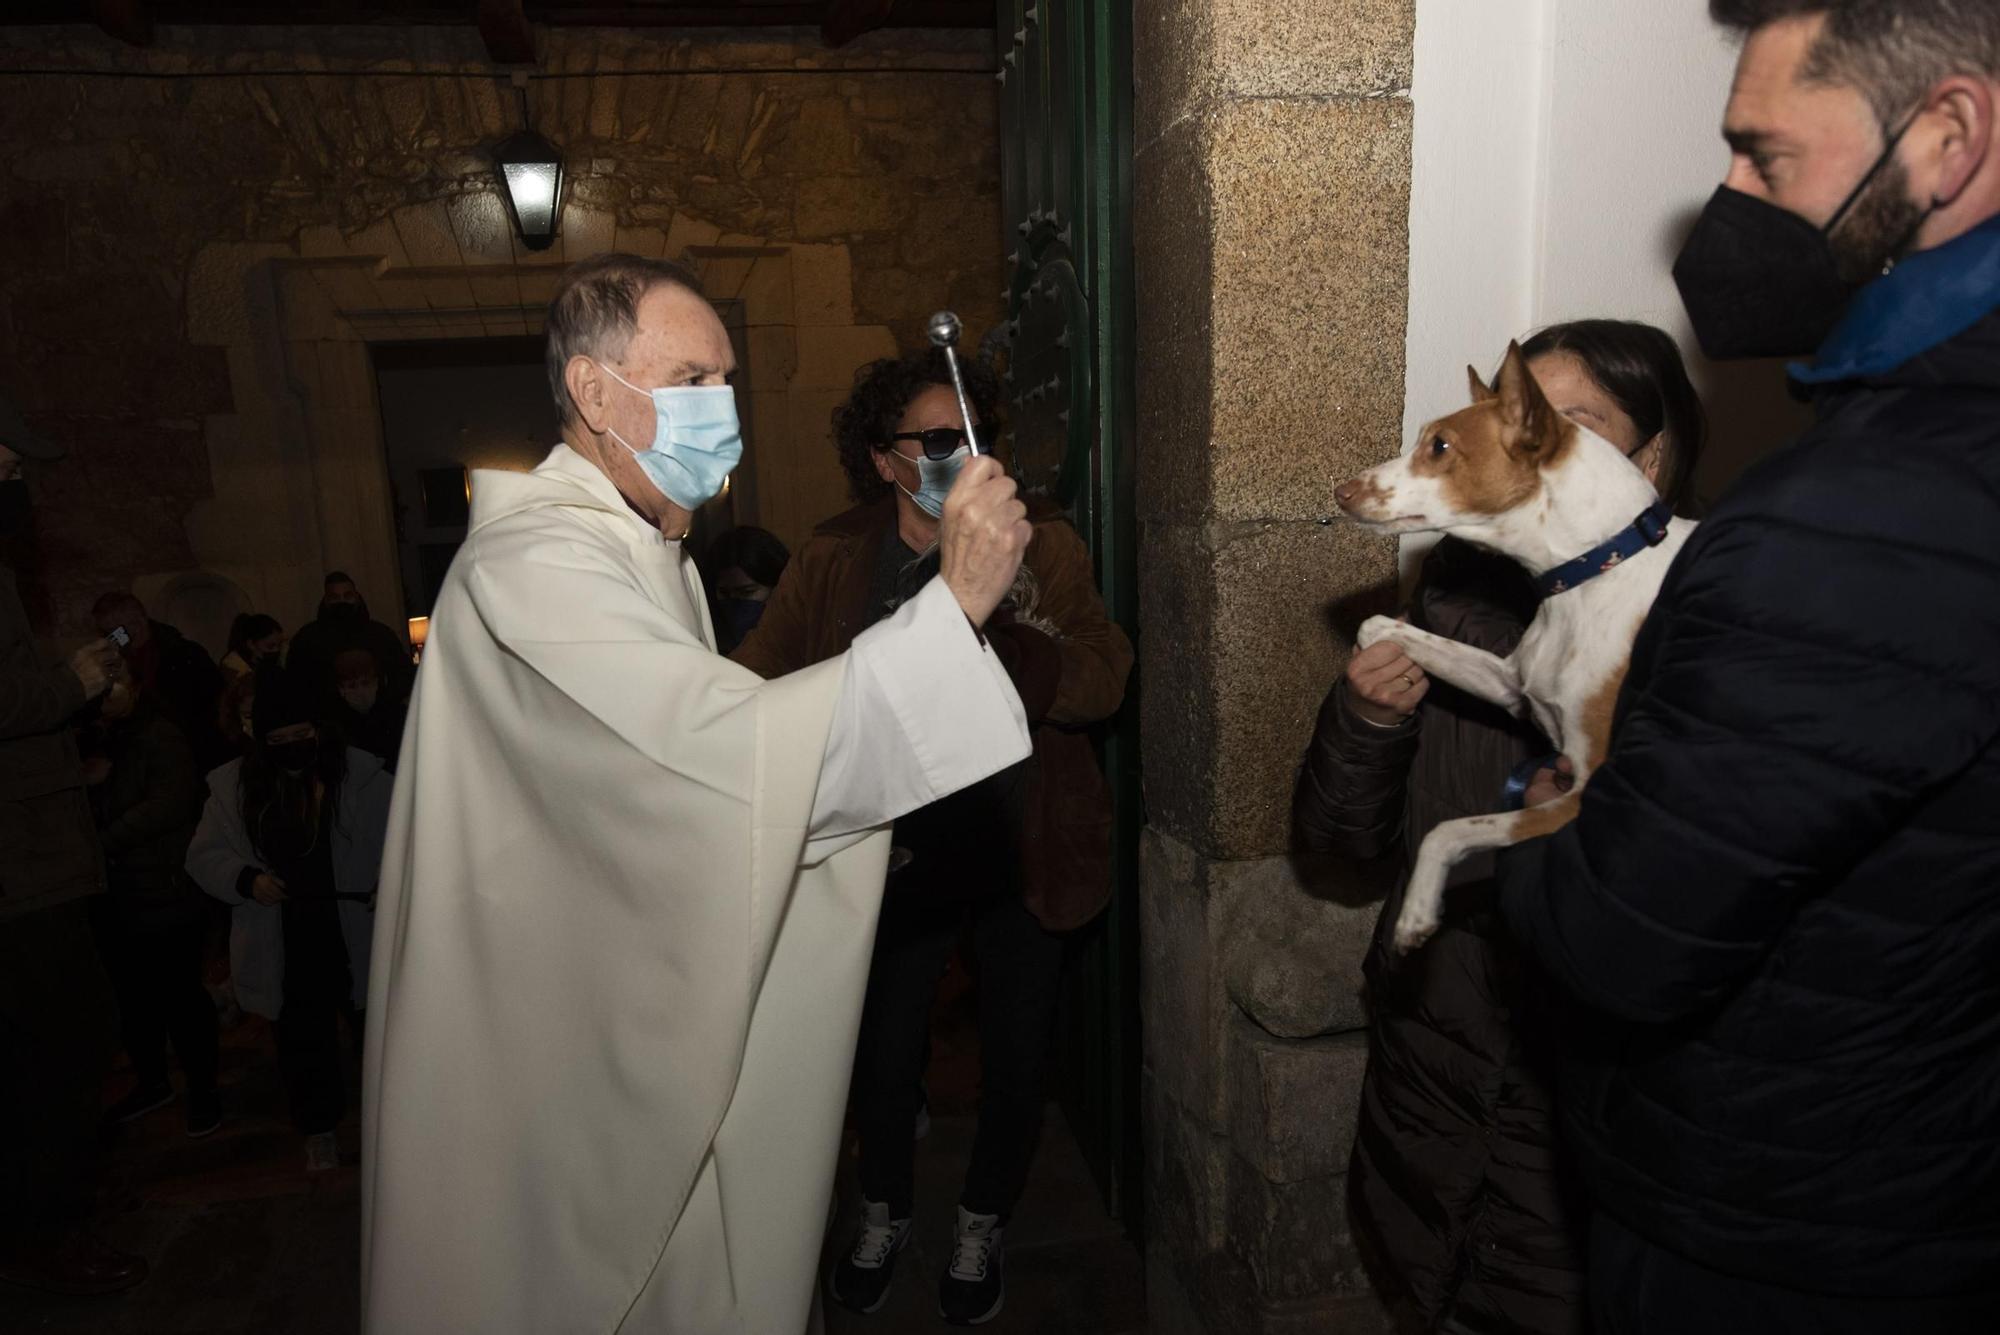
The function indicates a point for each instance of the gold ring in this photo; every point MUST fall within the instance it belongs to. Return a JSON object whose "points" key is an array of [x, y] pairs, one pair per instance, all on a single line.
{"points": [[1408, 684]]}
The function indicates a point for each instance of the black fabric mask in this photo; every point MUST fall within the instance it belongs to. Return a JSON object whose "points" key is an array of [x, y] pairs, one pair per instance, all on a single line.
{"points": [[344, 613], [14, 508], [1760, 281], [294, 758]]}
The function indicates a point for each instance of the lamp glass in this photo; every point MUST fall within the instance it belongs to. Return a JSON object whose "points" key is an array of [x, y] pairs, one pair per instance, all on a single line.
{"points": [[533, 186], [531, 172]]}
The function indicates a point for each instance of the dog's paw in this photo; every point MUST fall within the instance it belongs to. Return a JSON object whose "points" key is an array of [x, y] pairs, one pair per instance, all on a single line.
{"points": [[1423, 899], [1413, 929], [1376, 629]]}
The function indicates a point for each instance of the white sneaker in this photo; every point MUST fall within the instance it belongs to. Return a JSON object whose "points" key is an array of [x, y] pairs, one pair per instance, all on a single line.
{"points": [[974, 1286], [322, 1153], [860, 1282]]}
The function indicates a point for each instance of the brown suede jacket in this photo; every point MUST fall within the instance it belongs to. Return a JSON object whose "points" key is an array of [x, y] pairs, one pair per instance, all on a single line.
{"points": [[1067, 681]]}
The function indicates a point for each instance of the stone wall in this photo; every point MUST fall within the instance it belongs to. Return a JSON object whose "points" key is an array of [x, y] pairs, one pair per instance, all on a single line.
{"points": [[1272, 170], [157, 229]]}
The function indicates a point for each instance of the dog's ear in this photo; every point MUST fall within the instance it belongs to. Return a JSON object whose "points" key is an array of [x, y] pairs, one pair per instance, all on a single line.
{"points": [[1533, 424], [1481, 391]]}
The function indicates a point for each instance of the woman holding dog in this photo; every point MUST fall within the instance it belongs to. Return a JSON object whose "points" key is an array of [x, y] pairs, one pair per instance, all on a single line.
{"points": [[1455, 1179]]}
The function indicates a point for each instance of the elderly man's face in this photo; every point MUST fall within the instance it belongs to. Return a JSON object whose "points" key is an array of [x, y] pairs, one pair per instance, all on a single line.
{"points": [[678, 341]]}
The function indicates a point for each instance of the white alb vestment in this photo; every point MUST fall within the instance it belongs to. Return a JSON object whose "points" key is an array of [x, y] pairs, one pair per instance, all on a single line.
{"points": [[625, 920]]}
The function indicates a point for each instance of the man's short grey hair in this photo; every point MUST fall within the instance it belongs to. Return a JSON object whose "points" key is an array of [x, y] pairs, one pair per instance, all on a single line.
{"points": [[595, 312], [1892, 52]]}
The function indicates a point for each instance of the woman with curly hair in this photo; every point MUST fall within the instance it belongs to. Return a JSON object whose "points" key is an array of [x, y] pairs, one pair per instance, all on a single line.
{"points": [[1024, 857]]}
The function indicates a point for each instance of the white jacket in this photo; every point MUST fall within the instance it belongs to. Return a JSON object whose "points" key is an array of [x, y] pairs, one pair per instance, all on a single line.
{"points": [[222, 849]]}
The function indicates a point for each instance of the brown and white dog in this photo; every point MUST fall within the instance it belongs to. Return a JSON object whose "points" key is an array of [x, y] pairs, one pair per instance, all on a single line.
{"points": [[1512, 474]]}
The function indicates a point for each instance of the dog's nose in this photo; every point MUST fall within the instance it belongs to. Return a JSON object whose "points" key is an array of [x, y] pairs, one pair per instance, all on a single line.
{"points": [[1343, 495]]}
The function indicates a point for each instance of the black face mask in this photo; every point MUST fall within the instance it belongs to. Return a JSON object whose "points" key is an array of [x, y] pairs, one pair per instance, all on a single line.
{"points": [[342, 612], [294, 758], [13, 508], [1760, 281]]}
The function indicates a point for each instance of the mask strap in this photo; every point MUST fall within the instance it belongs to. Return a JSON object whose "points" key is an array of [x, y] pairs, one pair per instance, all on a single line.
{"points": [[1868, 177], [621, 379]]}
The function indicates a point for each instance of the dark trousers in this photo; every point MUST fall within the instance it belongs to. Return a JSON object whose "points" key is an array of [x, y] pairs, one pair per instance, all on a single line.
{"points": [[1019, 972], [1638, 1287], [156, 975], [56, 1031], [318, 1000]]}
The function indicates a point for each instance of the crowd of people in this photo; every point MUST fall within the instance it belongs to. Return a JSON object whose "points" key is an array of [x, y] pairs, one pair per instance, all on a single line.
{"points": [[200, 840], [651, 879]]}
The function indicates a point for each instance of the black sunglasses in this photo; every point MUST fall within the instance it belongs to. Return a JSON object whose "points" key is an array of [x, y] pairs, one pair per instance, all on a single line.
{"points": [[940, 442]]}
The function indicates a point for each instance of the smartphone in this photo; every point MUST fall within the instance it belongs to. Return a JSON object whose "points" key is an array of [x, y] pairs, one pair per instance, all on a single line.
{"points": [[120, 637]]}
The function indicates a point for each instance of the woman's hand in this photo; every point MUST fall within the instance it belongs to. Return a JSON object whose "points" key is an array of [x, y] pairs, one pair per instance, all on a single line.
{"points": [[267, 890], [1383, 685], [1549, 784]]}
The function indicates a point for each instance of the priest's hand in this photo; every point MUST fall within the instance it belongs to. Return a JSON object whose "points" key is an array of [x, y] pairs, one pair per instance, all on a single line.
{"points": [[267, 890], [982, 536]]}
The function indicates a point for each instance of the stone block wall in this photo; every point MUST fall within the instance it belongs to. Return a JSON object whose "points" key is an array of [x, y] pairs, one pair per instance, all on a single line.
{"points": [[1271, 182], [142, 322]]}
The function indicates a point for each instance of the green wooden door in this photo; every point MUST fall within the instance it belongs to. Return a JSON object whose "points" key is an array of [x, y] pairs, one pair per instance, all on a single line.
{"points": [[1066, 153]]}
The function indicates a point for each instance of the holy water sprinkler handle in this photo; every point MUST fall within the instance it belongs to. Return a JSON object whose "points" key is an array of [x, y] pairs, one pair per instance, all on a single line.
{"points": [[944, 329]]}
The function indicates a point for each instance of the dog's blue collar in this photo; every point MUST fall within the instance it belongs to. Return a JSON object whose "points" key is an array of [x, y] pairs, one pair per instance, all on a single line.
{"points": [[1648, 530]]}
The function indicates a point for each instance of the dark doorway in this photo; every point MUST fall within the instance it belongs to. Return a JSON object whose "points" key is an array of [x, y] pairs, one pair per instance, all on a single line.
{"points": [[450, 406]]}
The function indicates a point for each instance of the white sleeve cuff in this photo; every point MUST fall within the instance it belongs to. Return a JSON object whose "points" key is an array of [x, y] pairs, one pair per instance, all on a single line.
{"points": [[925, 710]]}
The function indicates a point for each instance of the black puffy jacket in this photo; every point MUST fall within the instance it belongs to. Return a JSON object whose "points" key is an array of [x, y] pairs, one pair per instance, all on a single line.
{"points": [[1782, 895], [1455, 1179]]}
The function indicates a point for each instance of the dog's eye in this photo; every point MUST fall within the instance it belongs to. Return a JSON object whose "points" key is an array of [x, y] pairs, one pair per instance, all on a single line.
{"points": [[1438, 447]]}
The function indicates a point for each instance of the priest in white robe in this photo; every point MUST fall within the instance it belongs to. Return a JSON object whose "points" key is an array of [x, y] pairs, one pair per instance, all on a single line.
{"points": [[630, 888]]}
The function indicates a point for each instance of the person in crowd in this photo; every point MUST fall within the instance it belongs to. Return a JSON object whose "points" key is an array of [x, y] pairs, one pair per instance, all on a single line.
{"points": [[57, 1020], [147, 797], [291, 836], [631, 885], [170, 670], [1020, 859], [1456, 1177], [742, 567], [368, 717], [1778, 908], [253, 638], [343, 623], [234, 713]]}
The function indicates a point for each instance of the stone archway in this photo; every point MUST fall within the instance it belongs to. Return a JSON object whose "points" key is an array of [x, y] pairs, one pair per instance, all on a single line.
{"points": [[299, 484]]}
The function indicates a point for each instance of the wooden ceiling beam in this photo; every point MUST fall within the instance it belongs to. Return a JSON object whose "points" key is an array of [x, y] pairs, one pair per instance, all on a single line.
{"points": [[127, 20], [503, 24], [847, 19]]}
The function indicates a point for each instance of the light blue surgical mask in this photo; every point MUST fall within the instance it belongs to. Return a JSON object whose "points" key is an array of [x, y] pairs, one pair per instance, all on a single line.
{"points": [[696, 440], [934, 480]]}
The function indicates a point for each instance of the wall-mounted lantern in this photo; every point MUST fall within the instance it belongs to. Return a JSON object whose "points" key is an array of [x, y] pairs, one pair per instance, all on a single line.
{"points": [[531, 177]]}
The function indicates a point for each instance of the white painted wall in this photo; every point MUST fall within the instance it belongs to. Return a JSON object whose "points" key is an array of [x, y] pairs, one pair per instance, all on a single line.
{"points": [[1561, 149]]}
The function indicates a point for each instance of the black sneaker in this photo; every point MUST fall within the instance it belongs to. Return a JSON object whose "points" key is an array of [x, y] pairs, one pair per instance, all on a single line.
{"points": [[204, 1113], [144, 1099], [860, 1282], [975, 1283]]}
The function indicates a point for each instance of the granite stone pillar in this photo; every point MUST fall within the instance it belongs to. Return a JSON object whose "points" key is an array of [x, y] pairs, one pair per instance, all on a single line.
{"points": [[1271, 178]]}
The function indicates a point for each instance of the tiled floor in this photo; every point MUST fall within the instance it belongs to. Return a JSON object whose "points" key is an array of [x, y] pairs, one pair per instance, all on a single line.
{"points": [[243, 1241]]}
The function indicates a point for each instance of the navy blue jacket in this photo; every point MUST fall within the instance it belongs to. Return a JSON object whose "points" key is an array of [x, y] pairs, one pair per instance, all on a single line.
{"points": [[1780, 904]]}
